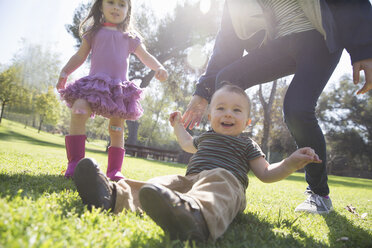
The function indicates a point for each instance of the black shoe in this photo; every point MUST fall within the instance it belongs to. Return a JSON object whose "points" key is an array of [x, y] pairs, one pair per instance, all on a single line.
{"points": [[93, 186], [178, 215]]}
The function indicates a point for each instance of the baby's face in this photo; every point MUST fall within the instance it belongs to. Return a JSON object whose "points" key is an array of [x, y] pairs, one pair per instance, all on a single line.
{"points": [[228, 113]]}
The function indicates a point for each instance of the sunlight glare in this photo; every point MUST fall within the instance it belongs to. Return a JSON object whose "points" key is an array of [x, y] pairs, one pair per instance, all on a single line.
{"points": [[196, 58], [205, 6]]}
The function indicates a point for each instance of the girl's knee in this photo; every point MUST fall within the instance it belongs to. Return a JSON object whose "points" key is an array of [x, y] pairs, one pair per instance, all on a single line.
{"points": [[80, 109]]}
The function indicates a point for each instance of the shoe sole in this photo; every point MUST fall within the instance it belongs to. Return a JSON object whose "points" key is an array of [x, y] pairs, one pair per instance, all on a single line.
{"points": [[85, 179], [313, 212], [162, 213]]}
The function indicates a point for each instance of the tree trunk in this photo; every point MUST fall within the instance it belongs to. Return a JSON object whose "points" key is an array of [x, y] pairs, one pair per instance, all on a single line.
{"points": [[132, 132], [267, 107], [41, 123], [33, 120], [2, 110]]}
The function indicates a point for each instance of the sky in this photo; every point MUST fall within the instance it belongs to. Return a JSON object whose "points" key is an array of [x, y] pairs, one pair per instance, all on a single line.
{"points": [[43, 22]]}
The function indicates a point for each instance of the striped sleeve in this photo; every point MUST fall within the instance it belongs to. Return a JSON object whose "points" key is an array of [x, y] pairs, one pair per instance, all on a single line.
{"points": [[195, 141], [253, 151]]}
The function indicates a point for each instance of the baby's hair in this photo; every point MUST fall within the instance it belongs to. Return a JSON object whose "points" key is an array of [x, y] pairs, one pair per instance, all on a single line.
{"points": [[227, 86], [95, 19]]}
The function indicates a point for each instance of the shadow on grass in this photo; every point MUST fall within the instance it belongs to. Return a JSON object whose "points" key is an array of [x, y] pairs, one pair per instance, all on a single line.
{"points": [[248, 230], [11, 135], [33, 186], [163, 163], [332, 181], [340, 227]]}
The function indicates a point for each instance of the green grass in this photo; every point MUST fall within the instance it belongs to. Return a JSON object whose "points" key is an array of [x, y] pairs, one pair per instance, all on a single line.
{"points": [[39, 208]]}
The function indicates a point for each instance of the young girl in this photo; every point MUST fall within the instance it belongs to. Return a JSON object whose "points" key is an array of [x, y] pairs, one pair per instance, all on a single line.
{"points": [[106, 90]]}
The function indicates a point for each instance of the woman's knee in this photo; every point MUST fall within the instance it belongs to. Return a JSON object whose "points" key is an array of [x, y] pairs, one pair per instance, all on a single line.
{"points": [[294, 116]]}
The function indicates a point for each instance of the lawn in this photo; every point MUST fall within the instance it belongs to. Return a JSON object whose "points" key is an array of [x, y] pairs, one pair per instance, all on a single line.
{"points": [[40, 208]]}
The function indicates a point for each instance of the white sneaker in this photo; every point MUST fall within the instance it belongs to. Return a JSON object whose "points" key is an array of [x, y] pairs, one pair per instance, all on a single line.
{"points": [[315, 204]]}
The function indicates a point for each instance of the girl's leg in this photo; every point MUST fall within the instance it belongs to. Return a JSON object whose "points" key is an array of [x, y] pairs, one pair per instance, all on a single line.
{"points": [[116, 151], [315, 65], [80, 113], [75, 141]]}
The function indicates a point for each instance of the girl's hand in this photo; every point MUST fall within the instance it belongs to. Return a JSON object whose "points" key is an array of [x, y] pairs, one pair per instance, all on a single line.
{"points": [[303, 156], [62, 81], [161, 74], [175, 118]]}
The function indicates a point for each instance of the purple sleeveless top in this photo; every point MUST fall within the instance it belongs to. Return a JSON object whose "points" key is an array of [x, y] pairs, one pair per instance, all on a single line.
{"points": [[110, 52]]}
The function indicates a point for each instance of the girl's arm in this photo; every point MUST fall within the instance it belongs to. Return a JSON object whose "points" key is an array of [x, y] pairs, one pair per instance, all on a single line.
{"points": [[269, 173], [75, 61], [183, 137], [150, 61]]}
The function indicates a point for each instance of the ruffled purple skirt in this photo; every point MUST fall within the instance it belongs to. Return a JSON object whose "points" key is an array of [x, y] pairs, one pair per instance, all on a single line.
{"points": [[107, 97]]}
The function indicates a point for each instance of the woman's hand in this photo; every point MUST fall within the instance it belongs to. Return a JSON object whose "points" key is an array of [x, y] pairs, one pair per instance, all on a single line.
{"points": [[194, 112], [366, 66]]}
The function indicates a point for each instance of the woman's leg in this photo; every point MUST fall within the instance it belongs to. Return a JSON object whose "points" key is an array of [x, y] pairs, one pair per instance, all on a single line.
{"points": [[116, 151], [264, 64], [75, 141], [314, 66]]}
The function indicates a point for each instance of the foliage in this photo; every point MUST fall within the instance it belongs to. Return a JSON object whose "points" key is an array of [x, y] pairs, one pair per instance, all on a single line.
{"points": [[42, 209], [280, 142], [348, 121], [33, 69], [39, 67], [10, 87], [47, 106]]}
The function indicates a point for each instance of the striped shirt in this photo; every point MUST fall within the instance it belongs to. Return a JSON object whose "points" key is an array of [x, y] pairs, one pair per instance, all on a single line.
{"points": [[288, 17], [222, 151]]}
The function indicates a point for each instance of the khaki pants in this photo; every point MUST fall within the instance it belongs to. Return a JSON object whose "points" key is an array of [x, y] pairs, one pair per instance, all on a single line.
{"points": [[218, 192]]}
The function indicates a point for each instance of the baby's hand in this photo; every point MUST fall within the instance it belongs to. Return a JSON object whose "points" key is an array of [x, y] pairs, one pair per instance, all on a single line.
{"points": [[303, 156], [161, 74], [175, 118]]}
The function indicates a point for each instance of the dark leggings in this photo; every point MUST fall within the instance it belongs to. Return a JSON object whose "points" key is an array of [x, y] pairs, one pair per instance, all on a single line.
{"points": [[306, 56]]}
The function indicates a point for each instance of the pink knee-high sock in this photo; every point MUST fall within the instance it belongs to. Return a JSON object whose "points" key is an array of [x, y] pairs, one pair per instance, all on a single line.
{"points": [[75, 150], [115, 161]]}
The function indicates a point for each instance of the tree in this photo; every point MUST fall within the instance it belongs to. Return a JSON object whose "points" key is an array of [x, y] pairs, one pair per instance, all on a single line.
{"points": [[38, 67], [47, 106], [347, 119], [267, 109], [9, 87], [280, 143]]}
